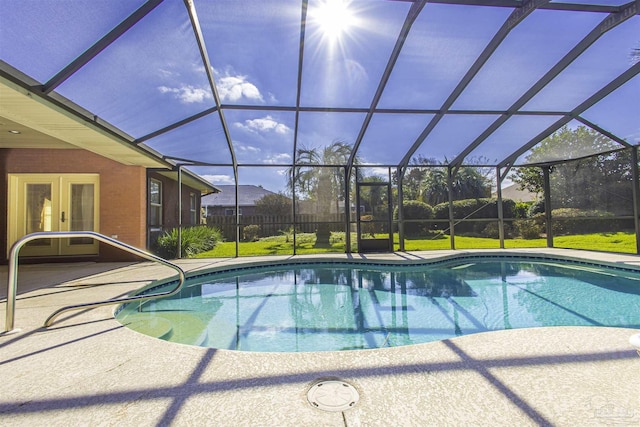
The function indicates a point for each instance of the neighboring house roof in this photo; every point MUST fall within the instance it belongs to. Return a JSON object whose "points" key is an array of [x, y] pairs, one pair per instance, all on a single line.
{"points": [[247, 196], [514, 193]]}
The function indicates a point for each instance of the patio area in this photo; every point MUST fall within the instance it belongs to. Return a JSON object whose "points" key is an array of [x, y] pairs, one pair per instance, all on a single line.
{"points": [[87, 369]]}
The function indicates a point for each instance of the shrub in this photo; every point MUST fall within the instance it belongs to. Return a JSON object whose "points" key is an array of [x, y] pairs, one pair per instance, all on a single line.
{"points": [[491, 230], [414, 210], [579, 221], [250, 233], [194, 241], [475, 208], [521, 209], [536, 207], [531, 228]]}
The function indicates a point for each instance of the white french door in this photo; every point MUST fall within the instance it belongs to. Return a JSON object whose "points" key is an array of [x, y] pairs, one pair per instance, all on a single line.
{"points": [[54, 202]]}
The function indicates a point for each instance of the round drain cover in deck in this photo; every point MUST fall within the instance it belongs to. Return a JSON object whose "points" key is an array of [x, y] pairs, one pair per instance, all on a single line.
{"points": [[333, 396]]}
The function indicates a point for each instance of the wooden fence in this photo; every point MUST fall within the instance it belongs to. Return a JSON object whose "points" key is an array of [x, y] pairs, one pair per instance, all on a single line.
{"points": [[274, 225]]}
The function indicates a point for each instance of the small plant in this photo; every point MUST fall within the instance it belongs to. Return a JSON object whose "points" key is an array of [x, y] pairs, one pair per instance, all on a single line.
{"points": [[288, 234], [250, 233], [194, 241]]}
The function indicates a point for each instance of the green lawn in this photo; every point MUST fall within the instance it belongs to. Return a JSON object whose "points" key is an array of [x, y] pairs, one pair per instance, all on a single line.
{"points": [[280, 245]]}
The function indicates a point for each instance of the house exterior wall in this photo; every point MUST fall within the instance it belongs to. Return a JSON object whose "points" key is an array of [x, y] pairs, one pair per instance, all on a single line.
{"points": [[170, 212], [123, 192]]}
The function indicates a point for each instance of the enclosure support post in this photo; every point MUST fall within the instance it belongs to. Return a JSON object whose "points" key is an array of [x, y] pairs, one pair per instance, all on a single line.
{"points": [[347, 211], [358, 238], [179, 252], [237, 212], [452, 233], [400, 175], [294, 203], [390, 209], [546, 171], [500, 210], [636, 194]]}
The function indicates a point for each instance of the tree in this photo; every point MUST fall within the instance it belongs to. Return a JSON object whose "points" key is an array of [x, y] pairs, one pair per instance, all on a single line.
{"points": [[414, 176], [426, 181], [470, 183], [324, 185], [601, 180], [434, 188], [274, 204]]}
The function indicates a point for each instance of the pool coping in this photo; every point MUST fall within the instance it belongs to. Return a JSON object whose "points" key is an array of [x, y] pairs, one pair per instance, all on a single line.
{"points": [[248, 264], [88, 369]]}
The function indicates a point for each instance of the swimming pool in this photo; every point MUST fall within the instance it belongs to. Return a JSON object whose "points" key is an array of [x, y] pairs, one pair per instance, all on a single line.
{"points": [[346, 306]]}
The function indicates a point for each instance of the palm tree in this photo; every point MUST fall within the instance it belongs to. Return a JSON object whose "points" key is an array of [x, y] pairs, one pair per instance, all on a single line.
{"points": [[468, 183], [322, 184], [435, 189]]}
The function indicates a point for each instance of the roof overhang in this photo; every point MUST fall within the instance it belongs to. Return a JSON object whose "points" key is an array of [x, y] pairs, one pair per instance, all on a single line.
{"points": [[192, 180], [57, 123]]}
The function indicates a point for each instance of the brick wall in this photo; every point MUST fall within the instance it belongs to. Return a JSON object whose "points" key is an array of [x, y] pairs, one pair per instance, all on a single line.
{"points": [[123, 198], [170, 204]]}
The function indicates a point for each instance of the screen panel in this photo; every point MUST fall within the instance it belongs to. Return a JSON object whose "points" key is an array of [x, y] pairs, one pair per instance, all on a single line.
{"points": [[40, 38], [343, 66], [531, 48], [145, 80]]}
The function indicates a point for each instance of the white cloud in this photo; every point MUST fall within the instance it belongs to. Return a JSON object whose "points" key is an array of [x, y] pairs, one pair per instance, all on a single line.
{"points": [[381, 172], [247, 148], [219, 179], [278, 159], [166, 73], [265, 124], [235, 87], [188, 94], [232, 88]]}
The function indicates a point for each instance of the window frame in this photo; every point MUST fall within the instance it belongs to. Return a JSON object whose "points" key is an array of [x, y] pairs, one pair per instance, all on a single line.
{"points": [[155, 205], [193, 208]]}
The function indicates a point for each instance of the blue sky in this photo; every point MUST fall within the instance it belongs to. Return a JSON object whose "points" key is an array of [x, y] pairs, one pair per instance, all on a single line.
{"points": [[153, 76]]}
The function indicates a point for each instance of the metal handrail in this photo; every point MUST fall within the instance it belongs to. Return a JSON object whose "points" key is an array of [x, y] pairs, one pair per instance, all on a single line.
{"points": [[12, 282]]}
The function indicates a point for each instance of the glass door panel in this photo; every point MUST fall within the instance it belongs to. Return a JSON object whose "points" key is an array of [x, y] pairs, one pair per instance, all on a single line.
{"points": [[79, 212], [38, 211], [81, 215]]}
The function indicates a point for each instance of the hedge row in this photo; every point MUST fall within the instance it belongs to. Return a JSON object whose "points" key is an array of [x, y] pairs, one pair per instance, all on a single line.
{"points": [[565, 220], [476, 209]]}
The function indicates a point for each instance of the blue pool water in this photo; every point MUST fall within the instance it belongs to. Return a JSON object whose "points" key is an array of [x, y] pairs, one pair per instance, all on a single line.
{"points": [[319, 307]]}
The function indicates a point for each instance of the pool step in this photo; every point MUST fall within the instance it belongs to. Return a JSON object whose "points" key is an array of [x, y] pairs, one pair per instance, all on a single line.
{"points": [[175, 326]]}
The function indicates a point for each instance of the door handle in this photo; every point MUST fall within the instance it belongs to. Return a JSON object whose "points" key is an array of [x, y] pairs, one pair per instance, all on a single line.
{"points": [[62, 219]]}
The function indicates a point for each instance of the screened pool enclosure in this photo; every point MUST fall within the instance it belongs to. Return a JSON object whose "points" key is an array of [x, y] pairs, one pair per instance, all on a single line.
{"points": [[374, 125]]}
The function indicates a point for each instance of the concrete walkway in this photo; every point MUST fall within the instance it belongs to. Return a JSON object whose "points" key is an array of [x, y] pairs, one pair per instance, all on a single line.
{"points": [[87, 369]]}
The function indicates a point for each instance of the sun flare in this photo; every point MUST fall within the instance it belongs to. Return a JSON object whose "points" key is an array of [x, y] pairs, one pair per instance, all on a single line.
{"points": [[333, 18]]}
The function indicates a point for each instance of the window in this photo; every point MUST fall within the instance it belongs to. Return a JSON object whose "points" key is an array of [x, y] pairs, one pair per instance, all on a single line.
{"points": [[230, 212], [193, 205], [155, 203]]}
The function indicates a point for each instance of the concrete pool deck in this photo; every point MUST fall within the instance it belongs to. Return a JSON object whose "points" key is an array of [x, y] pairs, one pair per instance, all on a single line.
{"points": [[87, 369]]}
